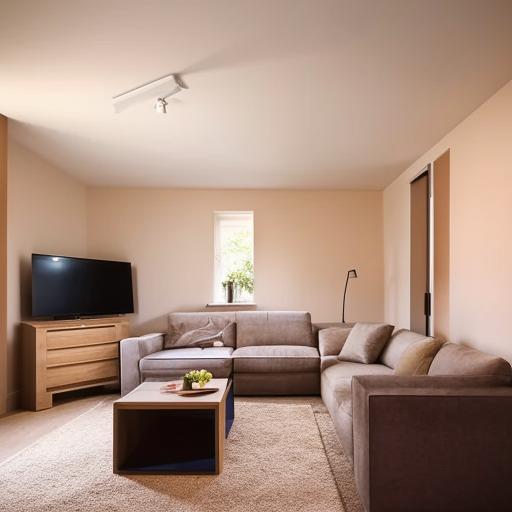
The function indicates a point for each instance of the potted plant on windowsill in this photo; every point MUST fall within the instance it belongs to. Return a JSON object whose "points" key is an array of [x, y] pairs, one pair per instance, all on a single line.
{"points": [[239, 280], [229, 286]]}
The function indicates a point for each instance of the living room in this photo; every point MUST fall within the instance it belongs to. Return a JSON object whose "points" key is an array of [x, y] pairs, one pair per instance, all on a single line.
{"points": [[364, 148]]}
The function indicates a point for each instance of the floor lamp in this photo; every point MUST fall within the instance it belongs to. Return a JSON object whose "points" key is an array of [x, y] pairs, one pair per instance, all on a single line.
{"points": [[350, 274]]}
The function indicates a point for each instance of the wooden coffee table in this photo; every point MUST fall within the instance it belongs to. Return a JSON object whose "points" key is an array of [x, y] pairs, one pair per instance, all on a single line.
{"points": [[162, 433]]}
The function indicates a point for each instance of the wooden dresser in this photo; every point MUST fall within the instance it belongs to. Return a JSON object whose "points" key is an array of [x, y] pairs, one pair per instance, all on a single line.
{"points": [[64, 355]]}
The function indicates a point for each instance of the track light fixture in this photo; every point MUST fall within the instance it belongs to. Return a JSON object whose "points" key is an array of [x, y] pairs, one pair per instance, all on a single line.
{"points": [[160, 104]]}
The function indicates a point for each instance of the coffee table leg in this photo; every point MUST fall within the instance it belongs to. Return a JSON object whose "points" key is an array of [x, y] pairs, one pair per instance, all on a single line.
{"points": [[230, 409]]}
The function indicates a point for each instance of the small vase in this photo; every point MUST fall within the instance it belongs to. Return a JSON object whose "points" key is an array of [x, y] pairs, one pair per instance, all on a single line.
{"points": [[229, 289], [187, 385]]}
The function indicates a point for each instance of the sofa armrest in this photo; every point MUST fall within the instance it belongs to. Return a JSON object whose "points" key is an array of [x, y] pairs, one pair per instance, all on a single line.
{"points": [[432, 443], [332, 339], [132, 350]]}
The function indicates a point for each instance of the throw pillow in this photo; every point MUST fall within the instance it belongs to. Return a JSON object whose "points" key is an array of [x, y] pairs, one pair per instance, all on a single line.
{"points": [[418, 357], [365, 342], [207, 336], [331, 340]]}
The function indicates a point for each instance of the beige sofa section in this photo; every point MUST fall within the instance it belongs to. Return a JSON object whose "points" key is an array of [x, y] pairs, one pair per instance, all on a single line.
{"points": [[409, 436], [276, 354], [269, 353], [336, 377]]}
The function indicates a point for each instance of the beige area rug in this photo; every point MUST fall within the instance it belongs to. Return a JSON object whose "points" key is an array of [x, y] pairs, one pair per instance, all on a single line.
{"points": [[280, 456]]}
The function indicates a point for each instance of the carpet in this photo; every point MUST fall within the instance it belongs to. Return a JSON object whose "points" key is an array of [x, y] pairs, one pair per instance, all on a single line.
{"points": [[279, 457]]}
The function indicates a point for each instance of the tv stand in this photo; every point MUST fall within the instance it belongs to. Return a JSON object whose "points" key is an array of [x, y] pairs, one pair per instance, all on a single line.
{"points": [[63, 355]]}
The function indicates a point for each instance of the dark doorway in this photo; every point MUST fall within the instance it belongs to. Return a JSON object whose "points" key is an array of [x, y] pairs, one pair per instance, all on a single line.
{"points": [[420, 253]]}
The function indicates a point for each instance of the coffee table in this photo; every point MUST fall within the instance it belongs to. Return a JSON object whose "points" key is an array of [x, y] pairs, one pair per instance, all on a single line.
{"points": [[163, 433]]}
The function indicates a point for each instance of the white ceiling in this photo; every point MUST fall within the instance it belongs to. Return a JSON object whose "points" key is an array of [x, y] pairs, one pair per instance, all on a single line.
{"points": [[282, 93]]}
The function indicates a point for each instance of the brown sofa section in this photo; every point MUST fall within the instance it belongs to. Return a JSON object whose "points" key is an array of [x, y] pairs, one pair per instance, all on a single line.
{"points": [[267, 353], [276, 354], [409, 436], [336, 376], [433, 443]]}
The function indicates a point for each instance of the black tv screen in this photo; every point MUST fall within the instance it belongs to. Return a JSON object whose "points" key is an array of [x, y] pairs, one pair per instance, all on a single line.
{"points": [[73, 287]]}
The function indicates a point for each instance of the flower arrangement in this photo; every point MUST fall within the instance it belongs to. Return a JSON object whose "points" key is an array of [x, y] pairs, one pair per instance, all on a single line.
{"points": [[239, 280], [202, 377]]}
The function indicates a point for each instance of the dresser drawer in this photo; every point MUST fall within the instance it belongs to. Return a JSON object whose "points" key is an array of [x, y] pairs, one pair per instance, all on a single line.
{"points": [[78, 337], [80, 373], [88, 353]]}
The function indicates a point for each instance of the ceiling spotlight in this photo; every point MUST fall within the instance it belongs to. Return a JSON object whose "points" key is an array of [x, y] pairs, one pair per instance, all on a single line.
{"points": [[161, 106]]}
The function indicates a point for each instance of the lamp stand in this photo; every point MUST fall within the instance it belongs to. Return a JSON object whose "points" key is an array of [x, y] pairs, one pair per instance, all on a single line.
{"points": [[344, 296], [350, 274]]}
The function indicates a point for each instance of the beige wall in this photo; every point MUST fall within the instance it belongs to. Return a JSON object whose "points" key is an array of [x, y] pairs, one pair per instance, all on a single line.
{"points": [[480, 229], [304, 244], [3, 264], [441, 254], [46, 213]]}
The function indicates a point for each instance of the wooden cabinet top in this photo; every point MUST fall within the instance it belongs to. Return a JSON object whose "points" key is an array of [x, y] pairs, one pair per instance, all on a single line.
{"points": [[77, 324]]}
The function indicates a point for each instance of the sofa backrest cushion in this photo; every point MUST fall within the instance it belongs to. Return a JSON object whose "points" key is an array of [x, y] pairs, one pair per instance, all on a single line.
{"points": [[455, 359], [274, 328], [180, 323], [398, 343]]}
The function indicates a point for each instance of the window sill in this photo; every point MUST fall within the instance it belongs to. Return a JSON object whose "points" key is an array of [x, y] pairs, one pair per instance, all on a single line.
{"points": [[229, 304]]}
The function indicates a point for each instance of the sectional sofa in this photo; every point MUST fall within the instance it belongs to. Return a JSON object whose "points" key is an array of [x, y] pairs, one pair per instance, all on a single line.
{"points": [[436, 442]]}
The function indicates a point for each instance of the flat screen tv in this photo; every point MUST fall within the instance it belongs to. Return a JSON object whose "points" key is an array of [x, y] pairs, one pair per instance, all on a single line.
{"points": [[64, 287]]}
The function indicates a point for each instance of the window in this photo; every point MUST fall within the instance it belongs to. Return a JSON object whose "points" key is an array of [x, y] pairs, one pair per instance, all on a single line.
{"points": [[234, 257]]}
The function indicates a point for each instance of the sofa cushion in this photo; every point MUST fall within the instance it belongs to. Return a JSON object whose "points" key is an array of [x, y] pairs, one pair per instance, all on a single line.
{"points": [[417, 358], [181, 323], [326, 361], [399, 341], [207, 336], [276, 358], [365, 342], [331, 340], [337, 380], [274, 328], [455, 359], [176, 362]]}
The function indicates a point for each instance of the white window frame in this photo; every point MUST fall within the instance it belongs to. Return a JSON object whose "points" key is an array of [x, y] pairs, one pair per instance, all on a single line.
{"points": [[217, 217]]}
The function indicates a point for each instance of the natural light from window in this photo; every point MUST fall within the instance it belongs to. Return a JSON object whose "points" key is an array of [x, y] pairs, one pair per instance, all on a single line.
{"points": [[234, 257]]}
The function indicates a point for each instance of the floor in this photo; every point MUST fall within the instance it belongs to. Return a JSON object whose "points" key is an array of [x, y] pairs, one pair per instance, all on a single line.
{"points": [[66, 454], [23, 429], [20, 429]]}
